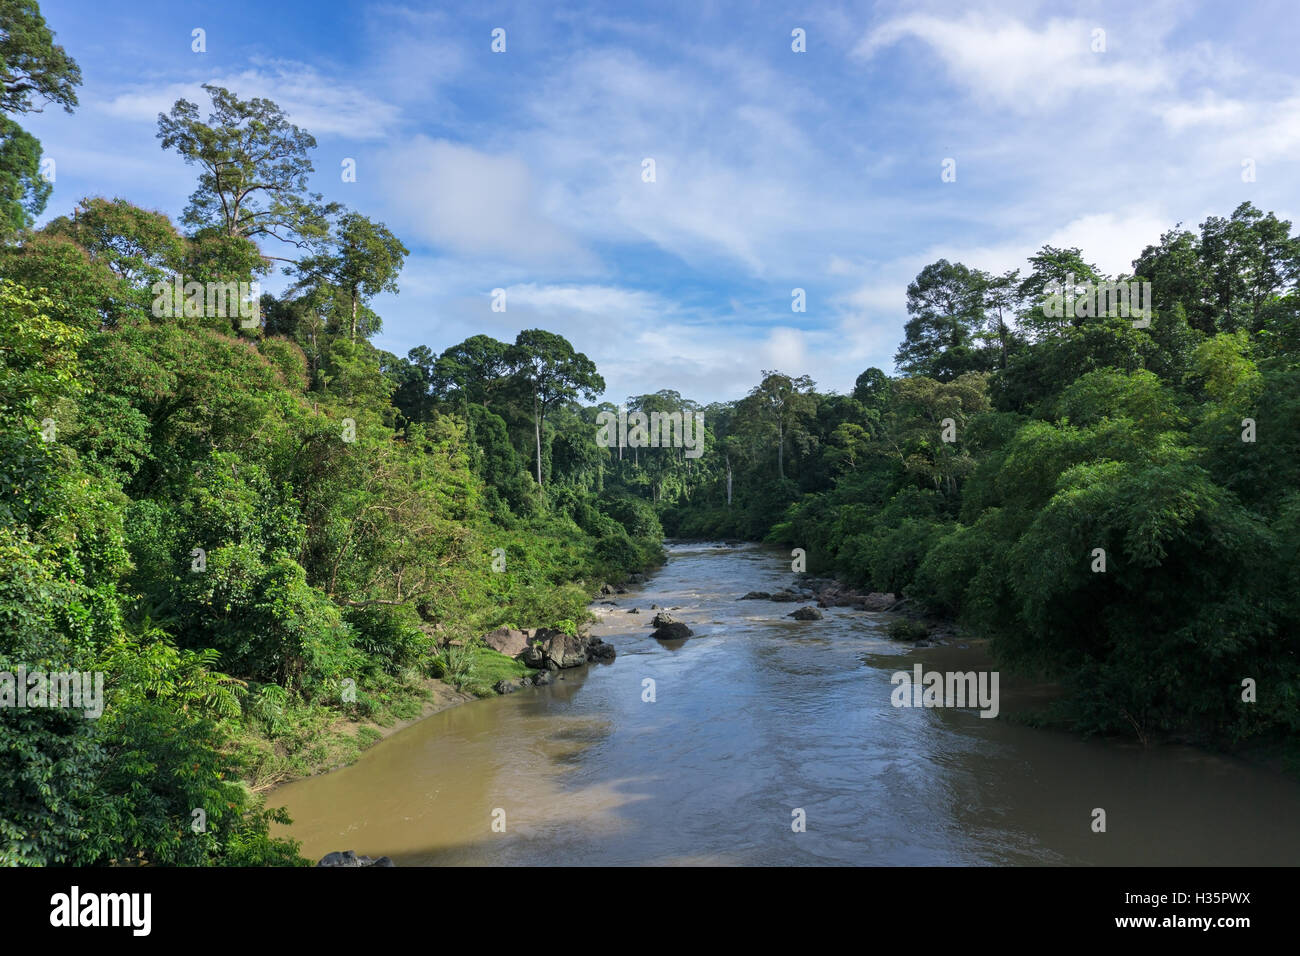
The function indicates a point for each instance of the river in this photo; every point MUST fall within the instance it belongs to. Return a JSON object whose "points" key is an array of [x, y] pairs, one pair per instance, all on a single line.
{"points": [[759, 716]]}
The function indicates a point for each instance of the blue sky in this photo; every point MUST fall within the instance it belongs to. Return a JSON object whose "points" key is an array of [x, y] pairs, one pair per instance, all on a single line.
{"points": [[774, 169]]}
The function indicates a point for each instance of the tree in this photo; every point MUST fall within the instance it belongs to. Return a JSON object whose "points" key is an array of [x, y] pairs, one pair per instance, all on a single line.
{"points": [[138, 246], [365, 261], [254, 169], [32, 65], [1052, 265], [34, 71], [1001, 300], [946, 305], [785, 403], [23, 191], [1248, 259], [473, 368], [1176, 272], [553, 372]]}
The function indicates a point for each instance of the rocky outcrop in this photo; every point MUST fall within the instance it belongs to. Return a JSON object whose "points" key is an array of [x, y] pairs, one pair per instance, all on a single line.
{"points": [[349, 858], [555, 650], [806, 614]]}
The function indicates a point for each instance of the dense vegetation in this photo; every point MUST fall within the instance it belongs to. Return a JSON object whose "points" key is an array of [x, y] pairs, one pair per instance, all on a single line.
{"points": [[256, 525], [982, 481], [261, 528]]}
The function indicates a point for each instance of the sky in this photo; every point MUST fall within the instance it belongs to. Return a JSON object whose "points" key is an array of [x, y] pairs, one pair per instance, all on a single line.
{"points": [[774, 170]]}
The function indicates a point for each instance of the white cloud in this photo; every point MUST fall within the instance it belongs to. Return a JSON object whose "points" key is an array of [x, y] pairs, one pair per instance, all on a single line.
{"points": [[459, 198], [316, 103], [1013, 64]]}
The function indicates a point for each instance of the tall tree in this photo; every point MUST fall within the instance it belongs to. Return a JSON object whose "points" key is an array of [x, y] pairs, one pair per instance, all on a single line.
{"points": [[785, 403], [474, 368], [254, 166], [945, 303], [553, 372]]}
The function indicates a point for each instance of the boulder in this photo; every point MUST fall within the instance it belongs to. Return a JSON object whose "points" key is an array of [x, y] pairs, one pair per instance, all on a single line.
{"points": [[662, 619], [551, 649], [349, 858], [534, 656], [565, 650], [599, 651], [806, 614], [507, 641], [786, 596], [542, 678], [878, 601], [672, 631], [757, 596], [510, 686]]}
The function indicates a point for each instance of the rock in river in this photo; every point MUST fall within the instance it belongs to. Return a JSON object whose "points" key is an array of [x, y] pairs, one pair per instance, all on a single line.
{"points": [[349, 858], [672, 631], [806, 614]]}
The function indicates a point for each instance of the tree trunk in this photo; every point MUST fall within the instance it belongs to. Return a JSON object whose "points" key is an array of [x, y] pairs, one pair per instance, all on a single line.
{"points": [[537, 430], [728, 481], [354, 315], [780, 448]]}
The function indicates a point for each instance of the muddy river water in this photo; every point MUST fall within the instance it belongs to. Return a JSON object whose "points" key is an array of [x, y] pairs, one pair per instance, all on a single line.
{"points": [[755, 718]]}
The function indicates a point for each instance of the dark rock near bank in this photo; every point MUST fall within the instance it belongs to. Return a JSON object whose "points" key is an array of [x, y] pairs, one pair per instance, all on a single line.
{"points": [[534, 656], [349, 858], [566, 650], [599, 651], [806, 614], [756, 596]]}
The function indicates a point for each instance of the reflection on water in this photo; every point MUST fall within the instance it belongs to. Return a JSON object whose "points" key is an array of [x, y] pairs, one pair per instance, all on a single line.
{"points": [[758, 715]]}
